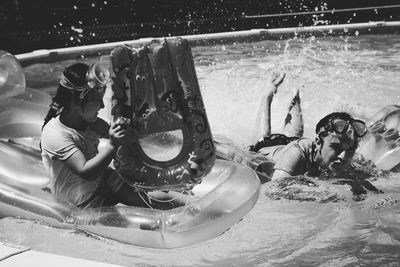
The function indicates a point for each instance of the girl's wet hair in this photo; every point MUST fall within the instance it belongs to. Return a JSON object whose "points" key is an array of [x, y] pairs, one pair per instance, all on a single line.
{"points": [[75, 73]]}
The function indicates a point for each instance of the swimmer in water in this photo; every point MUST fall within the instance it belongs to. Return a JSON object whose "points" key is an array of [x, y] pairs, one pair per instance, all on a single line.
{"points": [[338, 134]]}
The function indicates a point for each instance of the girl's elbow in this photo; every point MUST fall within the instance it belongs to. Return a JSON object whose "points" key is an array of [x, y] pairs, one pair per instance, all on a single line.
{"points": [[86, 174]]}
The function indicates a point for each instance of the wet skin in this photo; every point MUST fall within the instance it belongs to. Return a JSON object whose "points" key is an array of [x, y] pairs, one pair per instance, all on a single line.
{"points": [[333, 145], [94, 103]]}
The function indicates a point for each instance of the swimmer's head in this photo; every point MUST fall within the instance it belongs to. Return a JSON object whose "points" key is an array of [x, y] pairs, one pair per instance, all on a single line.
{"points": [[341, 123], [338, 132]]}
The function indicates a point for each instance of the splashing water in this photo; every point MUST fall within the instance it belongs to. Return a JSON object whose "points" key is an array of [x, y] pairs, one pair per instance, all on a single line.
{"points": [[359, 74], [341, 73]]}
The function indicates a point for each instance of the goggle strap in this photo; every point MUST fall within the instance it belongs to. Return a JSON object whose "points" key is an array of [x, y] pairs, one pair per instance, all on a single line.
{"points": [[85, 89], [84, 92], [69, 85]]}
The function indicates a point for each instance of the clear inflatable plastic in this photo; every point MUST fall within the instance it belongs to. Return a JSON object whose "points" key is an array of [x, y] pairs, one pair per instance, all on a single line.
{"points": [[12, 78], [381, 145], [21, 109], [224, 196], [156, 89]]}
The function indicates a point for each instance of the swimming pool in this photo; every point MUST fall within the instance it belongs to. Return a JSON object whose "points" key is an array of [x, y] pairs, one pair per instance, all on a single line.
{"points": [[358, 73]]}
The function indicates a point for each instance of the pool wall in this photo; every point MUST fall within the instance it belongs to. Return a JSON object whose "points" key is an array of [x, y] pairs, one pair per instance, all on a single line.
{"points": [[27, 25]]}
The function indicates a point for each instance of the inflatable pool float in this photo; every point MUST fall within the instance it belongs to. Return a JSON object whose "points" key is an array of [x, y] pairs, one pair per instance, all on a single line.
{"points": [[156, 89], [381, 145], [224, 194]]}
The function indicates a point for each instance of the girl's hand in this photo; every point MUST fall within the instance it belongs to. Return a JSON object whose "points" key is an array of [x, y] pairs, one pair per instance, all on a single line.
{"points": [[116, 134]]}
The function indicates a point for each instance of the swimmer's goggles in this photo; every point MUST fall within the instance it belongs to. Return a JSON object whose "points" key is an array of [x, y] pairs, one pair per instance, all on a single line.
{"points": [[340, 126], [97, 78]]}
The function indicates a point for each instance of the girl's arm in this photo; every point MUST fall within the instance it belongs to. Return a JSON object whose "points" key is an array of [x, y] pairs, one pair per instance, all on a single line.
{"points": [[91, 169]]}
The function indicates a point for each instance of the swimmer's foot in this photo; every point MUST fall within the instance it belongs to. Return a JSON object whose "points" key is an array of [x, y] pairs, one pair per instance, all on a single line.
{"points": [[277, 78], [274, 81]]}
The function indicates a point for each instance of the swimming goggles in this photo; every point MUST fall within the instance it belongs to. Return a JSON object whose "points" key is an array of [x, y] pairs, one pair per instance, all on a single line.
{"points": [[340, 126], [97, 77]]}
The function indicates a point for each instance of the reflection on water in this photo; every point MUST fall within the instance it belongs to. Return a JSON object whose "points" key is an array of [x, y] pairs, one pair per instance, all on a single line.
{"points": [[162, 146], [357, 73]]}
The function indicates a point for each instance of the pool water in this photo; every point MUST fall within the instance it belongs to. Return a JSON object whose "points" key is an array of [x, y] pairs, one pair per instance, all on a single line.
{"points": [[358, 74]]}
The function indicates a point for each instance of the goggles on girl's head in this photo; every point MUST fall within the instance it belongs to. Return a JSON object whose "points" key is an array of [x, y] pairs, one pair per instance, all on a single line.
{"points": [[340, 126], [97, 78]]}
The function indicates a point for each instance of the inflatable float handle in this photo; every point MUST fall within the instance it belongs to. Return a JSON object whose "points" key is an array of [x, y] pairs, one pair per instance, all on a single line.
{"points": [[156, 88]]}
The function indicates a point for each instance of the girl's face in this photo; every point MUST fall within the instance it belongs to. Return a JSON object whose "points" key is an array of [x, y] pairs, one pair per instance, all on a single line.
{"points": [[93, 104]]}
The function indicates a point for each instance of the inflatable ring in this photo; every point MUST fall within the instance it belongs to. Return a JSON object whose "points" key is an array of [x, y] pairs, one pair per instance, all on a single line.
{"points": [[156, 88], [22, 110], [214, 206]]}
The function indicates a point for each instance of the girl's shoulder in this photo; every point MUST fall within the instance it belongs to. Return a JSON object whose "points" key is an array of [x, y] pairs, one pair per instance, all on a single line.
{"points": [[53, 128], [57, 139]]}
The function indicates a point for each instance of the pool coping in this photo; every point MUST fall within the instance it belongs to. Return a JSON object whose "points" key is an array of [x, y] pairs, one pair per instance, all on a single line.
{"points": [[14, 255], [59, 54]]}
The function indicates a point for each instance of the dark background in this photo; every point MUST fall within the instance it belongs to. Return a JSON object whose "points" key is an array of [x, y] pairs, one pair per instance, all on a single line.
{"points": [[27, 25]]}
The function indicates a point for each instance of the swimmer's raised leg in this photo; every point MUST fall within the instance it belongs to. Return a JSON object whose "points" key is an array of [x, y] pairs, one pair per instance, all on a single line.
{"points": [[293, 125], [273, 83]]}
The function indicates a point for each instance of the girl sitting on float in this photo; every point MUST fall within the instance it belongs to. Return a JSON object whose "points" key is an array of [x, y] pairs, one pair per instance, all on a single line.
{"points": [[78, 168]]}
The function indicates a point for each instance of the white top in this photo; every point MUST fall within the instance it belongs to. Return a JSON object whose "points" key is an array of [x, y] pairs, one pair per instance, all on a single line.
{"points": [[58, 143]]}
